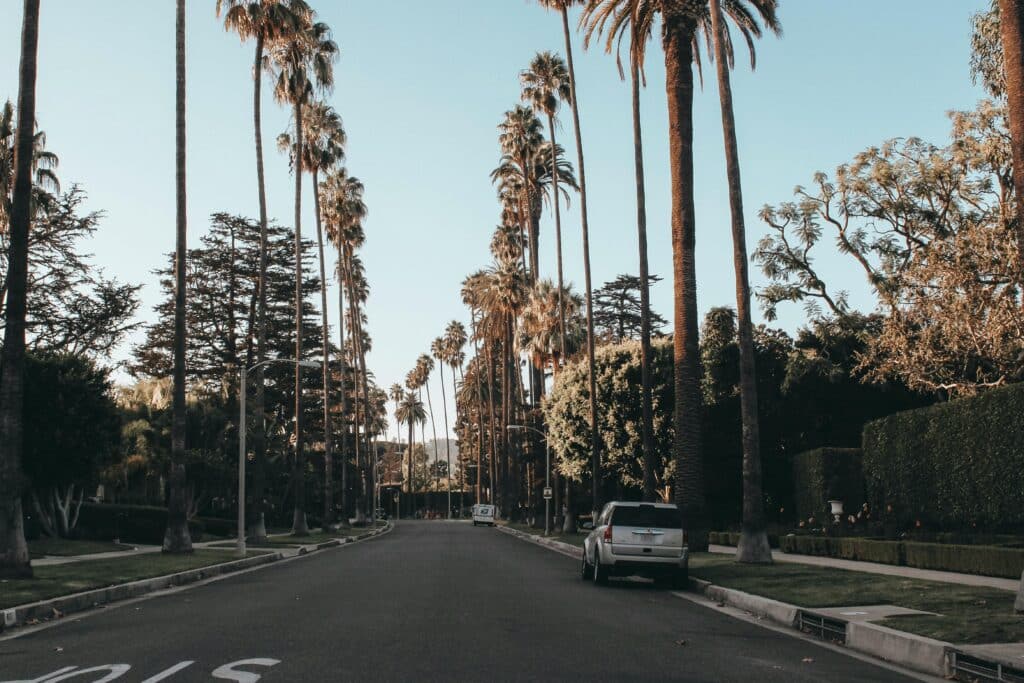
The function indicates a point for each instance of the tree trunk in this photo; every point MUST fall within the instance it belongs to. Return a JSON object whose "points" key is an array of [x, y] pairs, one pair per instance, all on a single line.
{"points": [[677, 38], [14, 558], [328, 520], [367, 418], [447, 441], [595, 440], [433, 426], [1011, 19], [492, 464], [558, 239], [753, 544], [647, 420], [257, 523], [299, 527], [176, 538], [479, 411], [343, 441]]}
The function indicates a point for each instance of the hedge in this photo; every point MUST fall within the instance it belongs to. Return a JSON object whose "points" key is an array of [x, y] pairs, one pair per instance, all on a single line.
{"points": [[956, 465], [217, 526], [825, 474], [732, 538], [966, 559], [132, 523]]}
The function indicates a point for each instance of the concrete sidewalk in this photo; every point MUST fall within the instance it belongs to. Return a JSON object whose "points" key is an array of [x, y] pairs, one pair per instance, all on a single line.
{"points": [[886, 569]]}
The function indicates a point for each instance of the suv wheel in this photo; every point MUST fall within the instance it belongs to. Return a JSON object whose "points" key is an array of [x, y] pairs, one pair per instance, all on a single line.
{"points": [[586, 571], [600, 571], [681, 579]]}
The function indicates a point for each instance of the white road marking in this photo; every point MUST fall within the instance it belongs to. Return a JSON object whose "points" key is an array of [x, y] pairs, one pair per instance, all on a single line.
{"points": [[167, 673], [116, 671], [228, 672], [47, 677]]}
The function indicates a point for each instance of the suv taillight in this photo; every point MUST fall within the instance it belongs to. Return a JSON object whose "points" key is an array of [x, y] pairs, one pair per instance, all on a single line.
{"points": [[608, 533]]}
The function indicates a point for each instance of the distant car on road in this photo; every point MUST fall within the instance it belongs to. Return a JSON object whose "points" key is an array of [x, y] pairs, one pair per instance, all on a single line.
{"points": [[483, 514], [637, 539]]}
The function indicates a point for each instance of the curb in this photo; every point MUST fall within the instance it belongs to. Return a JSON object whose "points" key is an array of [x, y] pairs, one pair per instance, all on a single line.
{"points": [[897, 647], [558, 546], [78, 602], [45, 610]]}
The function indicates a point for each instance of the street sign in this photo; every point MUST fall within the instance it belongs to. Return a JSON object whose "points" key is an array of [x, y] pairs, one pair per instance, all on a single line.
{"points": [[547, 493]]}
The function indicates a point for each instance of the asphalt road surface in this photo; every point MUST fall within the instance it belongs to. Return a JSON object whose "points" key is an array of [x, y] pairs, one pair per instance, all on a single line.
{"points": [[431, 601]]}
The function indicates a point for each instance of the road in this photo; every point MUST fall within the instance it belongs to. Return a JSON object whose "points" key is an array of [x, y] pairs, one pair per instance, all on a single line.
{"points": [[431, 601]]}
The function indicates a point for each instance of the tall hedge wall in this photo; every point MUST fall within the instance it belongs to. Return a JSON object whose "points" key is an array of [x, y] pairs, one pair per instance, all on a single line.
{"points": [[825, 474], [956, 465]]}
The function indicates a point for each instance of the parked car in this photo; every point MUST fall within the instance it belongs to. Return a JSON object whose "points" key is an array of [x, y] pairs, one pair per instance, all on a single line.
{"points": [[637, 539], [483, 514]]}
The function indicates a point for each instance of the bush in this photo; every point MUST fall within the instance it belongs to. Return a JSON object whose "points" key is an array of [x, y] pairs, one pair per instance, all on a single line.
{"points": [[825, 474], [131, 523], [987, 560], [216, 526], [732, 538], [956, 465]]}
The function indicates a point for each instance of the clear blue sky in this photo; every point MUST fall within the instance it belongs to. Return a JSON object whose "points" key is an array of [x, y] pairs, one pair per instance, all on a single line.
{"points": [[421, 87]]}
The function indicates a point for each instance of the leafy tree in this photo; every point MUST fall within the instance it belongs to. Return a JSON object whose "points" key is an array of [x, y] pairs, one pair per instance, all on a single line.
{"points": [[72, 433], [987, 51], [618, 310], [929, 228]]}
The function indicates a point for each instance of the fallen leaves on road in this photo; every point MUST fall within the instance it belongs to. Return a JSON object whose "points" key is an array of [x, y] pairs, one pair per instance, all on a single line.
{"points": [[680, 642]]}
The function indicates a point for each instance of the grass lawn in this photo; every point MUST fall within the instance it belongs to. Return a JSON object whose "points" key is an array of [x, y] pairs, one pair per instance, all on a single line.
{"points": [[75, 577], [571, 539], [312, 538], [64, 547], [968, 614]]}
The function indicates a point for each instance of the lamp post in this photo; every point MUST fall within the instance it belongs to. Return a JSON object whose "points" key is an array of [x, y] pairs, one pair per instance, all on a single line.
{"points": [[240, 543], [547, 473]]}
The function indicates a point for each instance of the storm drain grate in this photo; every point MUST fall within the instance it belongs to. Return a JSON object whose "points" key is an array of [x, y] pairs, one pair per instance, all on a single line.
{"points": [[968, 668], [832, 630]]}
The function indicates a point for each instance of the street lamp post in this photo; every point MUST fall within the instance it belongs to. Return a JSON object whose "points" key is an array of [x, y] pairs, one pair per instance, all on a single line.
{"points": [[547, 473], [240, 543]]}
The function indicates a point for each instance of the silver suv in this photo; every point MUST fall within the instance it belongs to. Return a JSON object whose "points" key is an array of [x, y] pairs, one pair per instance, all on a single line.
{"points": [[637, 539]]}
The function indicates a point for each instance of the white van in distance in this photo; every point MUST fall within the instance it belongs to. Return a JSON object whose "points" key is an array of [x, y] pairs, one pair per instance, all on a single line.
{"points": [[483, 514]]}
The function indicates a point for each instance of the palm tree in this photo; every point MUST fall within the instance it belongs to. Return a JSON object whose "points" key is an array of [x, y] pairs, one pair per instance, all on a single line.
{"points": [[682, 23], [302, 63], [1011, 27], [454, 342], [753, 544], [440, 351], [424, 368], [595, 443], [637, 45], [472, 292], [395, 393], [520, 137], [410, 411], [43, 168], [268, 21], [14, 558], [323, 147]]}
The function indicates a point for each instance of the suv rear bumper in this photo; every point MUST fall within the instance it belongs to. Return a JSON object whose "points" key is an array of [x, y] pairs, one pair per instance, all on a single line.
{"points": [[626, 565]]}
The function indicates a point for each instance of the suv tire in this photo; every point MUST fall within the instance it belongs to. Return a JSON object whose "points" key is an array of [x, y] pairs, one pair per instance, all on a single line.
{"points": [[600, 571], [586, 571], [681, 579]]}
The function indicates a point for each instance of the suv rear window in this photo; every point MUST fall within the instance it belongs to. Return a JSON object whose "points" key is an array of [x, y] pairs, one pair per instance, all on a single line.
{"points": [[647, 515]]}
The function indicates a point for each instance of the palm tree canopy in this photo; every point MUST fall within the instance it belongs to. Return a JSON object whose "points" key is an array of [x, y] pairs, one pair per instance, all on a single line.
{"points": [[546, 83], [410, 410], [538, 332], [323, 138], [343, 208], [615, 18], [304, 61], [270, 20]]}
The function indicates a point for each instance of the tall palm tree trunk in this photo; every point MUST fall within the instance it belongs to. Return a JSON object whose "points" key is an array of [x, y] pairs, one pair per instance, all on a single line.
{"points": [[14, 557], [299, 527], [1011, 20], [433, 427], [257, 523], [408, 457], [176, 538], [491, 465], [647, 416], [677, 38], [367, 420], [558, 238], [753, 544], [343, 441], [479, 410], [447, 441], [595, 441], [328, 482]]}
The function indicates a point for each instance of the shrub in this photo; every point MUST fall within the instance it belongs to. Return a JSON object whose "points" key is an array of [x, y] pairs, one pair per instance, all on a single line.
{"points": [[987, 560], [732, 538], [216, 526], [956, 465], [825, 474], [132, 523]]}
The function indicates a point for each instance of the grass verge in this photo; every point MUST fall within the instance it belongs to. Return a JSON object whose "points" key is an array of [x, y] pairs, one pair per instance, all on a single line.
{"points": [[74, 577], [965, 614], [65, 547], [571, 539], [312, 538]]}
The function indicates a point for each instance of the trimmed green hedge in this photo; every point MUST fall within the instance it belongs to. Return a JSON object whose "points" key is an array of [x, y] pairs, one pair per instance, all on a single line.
{"points": [[991, 561], [956, 465], [825, 474], [131, 523], [966, 559], [217, 526], [733, 538]]}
